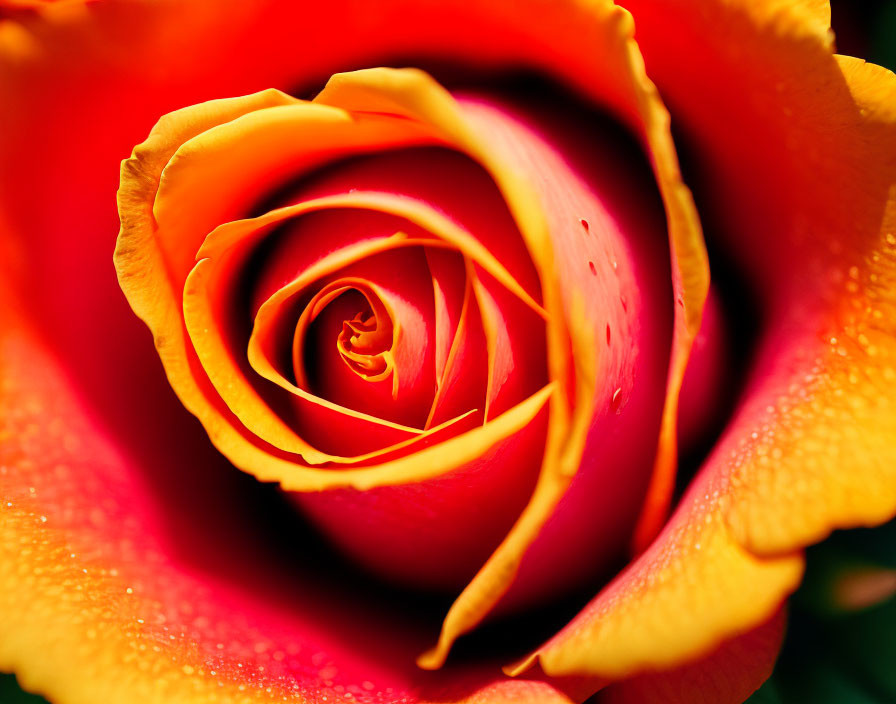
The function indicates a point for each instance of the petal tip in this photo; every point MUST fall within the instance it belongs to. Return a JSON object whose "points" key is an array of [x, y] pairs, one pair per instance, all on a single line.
{"points": [[520, 666], [433, 659]]}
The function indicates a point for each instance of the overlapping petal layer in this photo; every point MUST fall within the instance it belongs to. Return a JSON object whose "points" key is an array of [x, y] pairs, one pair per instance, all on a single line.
{"points": [[578, 59]]}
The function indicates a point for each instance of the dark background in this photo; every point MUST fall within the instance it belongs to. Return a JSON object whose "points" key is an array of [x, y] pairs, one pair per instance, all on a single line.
{"points": [[830, 656]]}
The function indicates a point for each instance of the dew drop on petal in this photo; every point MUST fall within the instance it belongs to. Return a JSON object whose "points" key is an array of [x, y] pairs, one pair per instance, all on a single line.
{"points": [[616, 401]]}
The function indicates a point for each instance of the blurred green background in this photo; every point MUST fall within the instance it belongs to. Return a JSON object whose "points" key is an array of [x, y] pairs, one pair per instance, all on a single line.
{"points": [[838, 653], [831, 655]]}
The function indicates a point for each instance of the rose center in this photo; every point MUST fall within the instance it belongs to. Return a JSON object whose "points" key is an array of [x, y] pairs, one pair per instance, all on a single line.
{"points": [[364, 340], [362, 343]]}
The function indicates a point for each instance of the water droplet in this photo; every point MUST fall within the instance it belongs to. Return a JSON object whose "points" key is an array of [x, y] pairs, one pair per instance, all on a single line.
{"points": [[616, 401], [593, 268], [608, 333], [585, 225]]}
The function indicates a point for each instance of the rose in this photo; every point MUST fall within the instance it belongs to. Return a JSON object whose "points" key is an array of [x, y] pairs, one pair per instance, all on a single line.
{"points": [[717, 536], [461, 332]]}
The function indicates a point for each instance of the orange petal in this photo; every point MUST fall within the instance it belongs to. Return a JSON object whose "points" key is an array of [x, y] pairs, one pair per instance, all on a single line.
{"points": [[811, 178], [819, 9], [864, 587], [829, 433]]}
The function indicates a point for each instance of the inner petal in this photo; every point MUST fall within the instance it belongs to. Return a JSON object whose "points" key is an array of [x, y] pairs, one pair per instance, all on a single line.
{"points": [[317, 242], [361, 345], [364, 340], [347, 350], [445, 180]]}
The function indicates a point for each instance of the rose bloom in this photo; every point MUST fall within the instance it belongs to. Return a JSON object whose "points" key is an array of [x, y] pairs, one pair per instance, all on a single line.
{"points": [[458, 392]]}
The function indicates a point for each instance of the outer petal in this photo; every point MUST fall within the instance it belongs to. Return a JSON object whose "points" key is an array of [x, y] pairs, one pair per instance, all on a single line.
{"points": [[820, 412], [811, 447], [98, 604], [820, 9], [833, 441]]}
